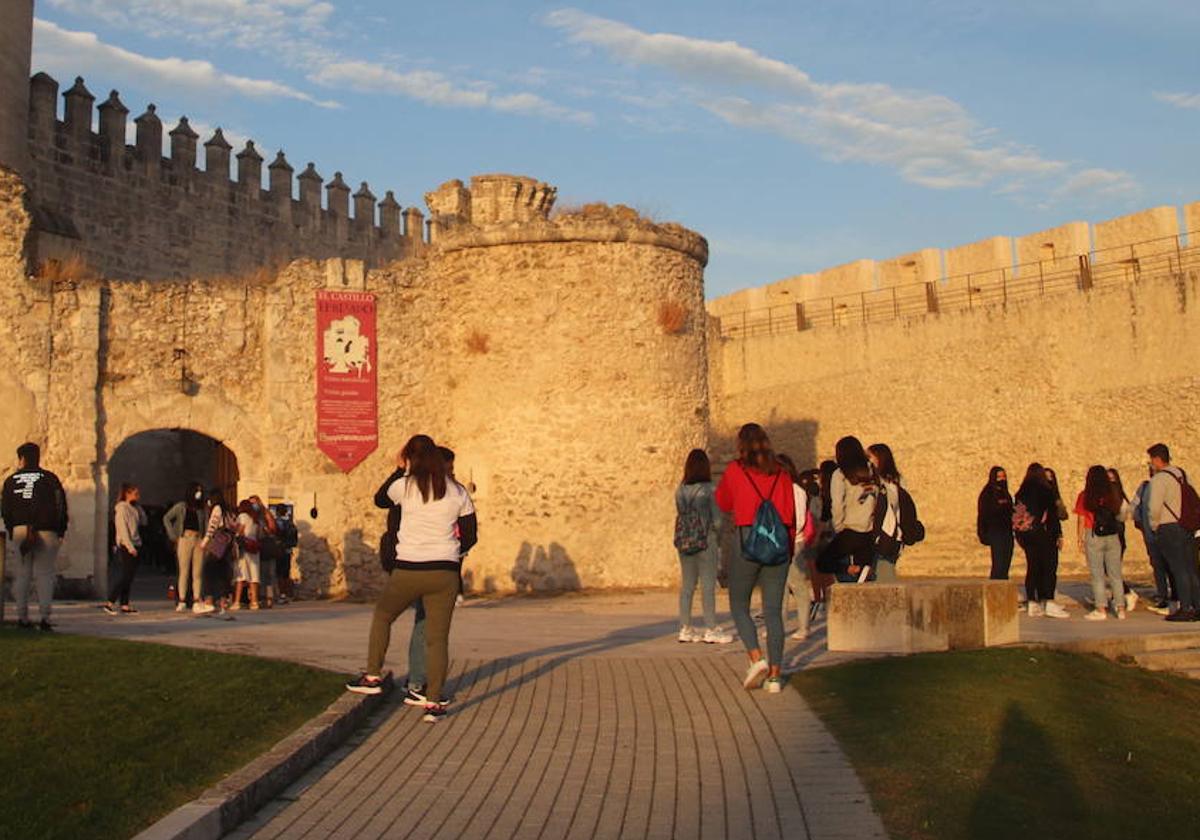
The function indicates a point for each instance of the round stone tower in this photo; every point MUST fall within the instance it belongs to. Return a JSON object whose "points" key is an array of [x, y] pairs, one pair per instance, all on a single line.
{"points": [[16, 43], [572, 349]]}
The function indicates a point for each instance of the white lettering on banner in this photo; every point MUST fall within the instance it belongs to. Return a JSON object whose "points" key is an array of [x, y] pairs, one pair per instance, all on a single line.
{"points": [[25, 482]]}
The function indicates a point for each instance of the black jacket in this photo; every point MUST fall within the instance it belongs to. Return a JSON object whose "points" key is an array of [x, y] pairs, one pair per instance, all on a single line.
{"points": [[33, 496], [995, 511]]}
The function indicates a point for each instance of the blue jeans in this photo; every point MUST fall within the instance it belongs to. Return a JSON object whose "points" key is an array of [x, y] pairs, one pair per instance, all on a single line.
{"points": [[1179, 549], [884, 570], [800, 585], [744, 576], [416, 647], [1104, 563], [1164, 584], [702, 567]]}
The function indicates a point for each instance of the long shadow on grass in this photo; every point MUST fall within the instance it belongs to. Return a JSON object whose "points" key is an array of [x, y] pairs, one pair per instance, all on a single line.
{"points": [[1028, 787]]}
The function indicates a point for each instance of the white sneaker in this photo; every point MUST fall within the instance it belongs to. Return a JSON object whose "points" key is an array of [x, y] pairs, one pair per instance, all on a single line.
{"points": [[687, 634], [1054, 610], [716, 636], [181, 607], [1097, 615], [1131, 599], [1122, 614], [201, 608], [755, 675], [774, 685], [1035, 609], [800, 634]]}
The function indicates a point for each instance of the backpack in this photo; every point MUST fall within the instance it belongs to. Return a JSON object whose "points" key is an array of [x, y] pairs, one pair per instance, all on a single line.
{"points": [[885, 526], [1022, 520], [1104, 523], [912, 530], [221, 543], [691, 529], [1189, 504], [766, 540], [387, 542]]}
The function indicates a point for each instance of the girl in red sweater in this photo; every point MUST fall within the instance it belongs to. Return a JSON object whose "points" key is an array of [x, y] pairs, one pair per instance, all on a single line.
{"points": [[753, 477]]}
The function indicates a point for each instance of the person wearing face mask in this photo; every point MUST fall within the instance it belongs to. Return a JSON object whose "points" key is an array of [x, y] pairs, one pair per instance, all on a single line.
{"points": [[184, 523], [993, 522]]}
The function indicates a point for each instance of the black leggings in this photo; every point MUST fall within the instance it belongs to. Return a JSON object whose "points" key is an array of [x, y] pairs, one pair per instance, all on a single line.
{"points": [[1001, 544], [215, 577], [124, 568], [859, 545], [1041, 567]]}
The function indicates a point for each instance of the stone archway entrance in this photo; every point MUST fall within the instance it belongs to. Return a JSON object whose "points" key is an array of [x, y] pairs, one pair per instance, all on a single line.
{"points": [[162, 462]]}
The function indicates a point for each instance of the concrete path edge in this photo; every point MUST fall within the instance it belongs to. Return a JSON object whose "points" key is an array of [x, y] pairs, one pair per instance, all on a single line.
{"points": [[234, 799]]}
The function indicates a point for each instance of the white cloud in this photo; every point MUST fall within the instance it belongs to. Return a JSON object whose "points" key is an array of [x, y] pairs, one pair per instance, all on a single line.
{"points": [[66, 53], [244, 23], [927, 138], [1099, 182], [295, 32], [436, 89], [1190, 101]]}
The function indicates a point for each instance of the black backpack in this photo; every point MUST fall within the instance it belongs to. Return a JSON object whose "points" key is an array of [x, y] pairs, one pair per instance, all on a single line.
{"points": [[912, 531], [1104, 523], [387, 542]]}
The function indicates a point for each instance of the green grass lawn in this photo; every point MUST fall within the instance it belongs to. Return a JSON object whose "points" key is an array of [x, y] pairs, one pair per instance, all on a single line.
{"points": [[99, 738], [1017, 743]]}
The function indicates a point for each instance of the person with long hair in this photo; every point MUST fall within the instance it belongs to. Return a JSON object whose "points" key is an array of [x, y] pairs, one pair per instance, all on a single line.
{"points": [[1101, 509], [993, 521], [799, 579], [184, 523], [750, 480], [853, 487], [1038, 531], [1114, 478], [698, 521], [219, 549], [884, 463], [128, 519], [437, 527]]}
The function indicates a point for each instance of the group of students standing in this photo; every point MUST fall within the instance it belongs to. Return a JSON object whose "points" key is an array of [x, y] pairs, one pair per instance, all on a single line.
{"points": [[223, 554], [847, 520], [1161, 509]]}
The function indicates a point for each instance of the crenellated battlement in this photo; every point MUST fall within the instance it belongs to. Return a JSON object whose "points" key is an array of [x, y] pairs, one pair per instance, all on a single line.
{"points": [[96, 194], [508, 209]]}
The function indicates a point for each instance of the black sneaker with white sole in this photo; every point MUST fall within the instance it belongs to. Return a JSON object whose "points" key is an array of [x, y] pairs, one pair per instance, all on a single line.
{"points": [[434, 712], [366, 685], [414, 696]]}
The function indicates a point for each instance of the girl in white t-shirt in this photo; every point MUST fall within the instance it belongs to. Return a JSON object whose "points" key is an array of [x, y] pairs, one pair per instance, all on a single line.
{"points": [[437, 527]]}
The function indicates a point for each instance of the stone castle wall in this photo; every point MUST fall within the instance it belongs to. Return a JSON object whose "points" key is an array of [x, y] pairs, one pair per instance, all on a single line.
{"points": [[1070, 380], [986, 266], [539, 349], [132, 213]]}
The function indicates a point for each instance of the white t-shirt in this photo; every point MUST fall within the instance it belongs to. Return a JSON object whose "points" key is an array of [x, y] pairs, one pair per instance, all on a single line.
{"points": [[427, 529], [249, 526]]}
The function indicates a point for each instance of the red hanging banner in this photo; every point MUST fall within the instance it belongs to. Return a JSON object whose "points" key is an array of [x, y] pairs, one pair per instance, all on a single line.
{"points": [[347, 396]]}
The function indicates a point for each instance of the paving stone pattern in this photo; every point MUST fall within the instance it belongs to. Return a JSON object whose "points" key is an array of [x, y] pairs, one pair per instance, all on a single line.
{"points": [[583, 747]]}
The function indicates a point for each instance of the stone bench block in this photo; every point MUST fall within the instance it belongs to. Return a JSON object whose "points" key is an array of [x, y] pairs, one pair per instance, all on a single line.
{"points": [[922, 616]]}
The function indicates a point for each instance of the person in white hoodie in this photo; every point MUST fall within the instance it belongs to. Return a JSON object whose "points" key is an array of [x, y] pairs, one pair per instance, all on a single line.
{"points": [[128, 518]]}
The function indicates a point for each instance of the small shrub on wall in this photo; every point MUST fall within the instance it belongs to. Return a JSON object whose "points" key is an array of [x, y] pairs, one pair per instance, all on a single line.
{"points": [[478, 343], [672, 317]]}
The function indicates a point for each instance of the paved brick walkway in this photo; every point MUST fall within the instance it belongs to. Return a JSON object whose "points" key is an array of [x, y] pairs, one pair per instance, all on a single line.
{"points": [[582, 747]]}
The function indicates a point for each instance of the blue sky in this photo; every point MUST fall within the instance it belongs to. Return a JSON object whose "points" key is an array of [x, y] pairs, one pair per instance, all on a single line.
{"points": [[795, 136]]}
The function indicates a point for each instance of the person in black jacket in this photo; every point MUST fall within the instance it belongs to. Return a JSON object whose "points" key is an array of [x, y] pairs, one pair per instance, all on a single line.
{"points": [[34, 508], [994, 521], [1039, 533]]}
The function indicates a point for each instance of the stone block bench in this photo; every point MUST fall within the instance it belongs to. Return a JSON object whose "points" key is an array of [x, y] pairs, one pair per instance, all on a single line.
{"points": [[922, 616]]}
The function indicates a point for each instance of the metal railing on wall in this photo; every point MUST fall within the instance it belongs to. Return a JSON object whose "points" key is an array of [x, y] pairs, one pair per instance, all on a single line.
{"points": [[964, 292]]}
